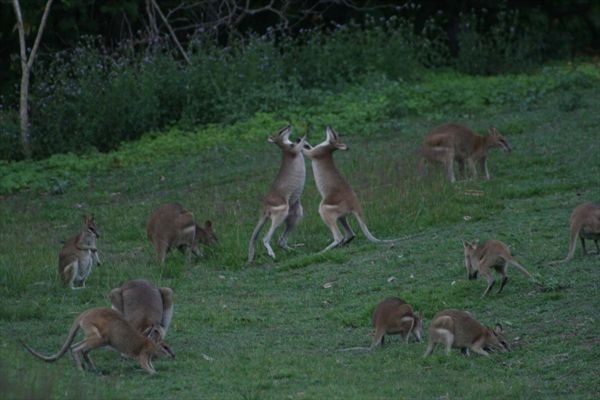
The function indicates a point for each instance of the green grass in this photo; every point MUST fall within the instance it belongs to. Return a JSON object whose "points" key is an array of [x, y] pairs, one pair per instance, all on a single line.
{"points": [[273, 330]]}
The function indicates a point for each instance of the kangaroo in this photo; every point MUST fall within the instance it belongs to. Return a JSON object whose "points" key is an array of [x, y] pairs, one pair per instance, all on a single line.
{"points": [[106, 327], [490, 254], [458, 329], [338, 200], [78, 254], [585, 223], [394, 316], [282, 202], [147, 308], [171, 225], [453, 142]]}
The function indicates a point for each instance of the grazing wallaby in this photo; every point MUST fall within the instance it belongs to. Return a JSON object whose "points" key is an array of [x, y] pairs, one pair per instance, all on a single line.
{"points": [[282, 202], [171, 225], [490, 254], [585, 223], [77, 256], [453, 142], [147, 308], [394, 316], [458, 329], [338, 200], [106, 327]]}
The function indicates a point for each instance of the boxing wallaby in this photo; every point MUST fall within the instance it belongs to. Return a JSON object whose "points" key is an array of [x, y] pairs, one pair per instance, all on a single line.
{"points": [[171, 225], [490, 254], [107, 327], [282, 202], [585, 223], [394, 316], [338, 200], [458, 329], [147, 308], [78, 254], [453, 142]]}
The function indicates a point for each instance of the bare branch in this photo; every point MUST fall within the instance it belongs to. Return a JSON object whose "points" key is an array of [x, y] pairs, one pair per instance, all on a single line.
{"points": [[38, 37], [162, 16]]}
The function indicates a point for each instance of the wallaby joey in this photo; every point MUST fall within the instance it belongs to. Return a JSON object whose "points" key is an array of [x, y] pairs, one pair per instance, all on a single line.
{"points": [[394, 316], [454, 142], [458, 329], [282, 202], [491, 254], [172, 226], [585, 223], [77, 256], [147, 308], [107, 327], [338, 200]]}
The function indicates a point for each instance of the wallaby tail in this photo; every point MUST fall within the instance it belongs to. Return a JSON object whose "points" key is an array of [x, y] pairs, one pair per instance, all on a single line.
{"points": [[365, 230], [519, 267], [574, 233], [62, 351], [257, 228]]}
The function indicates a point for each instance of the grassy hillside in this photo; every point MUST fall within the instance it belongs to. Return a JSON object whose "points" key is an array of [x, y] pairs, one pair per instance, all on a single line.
{"points": [[274, 330]]}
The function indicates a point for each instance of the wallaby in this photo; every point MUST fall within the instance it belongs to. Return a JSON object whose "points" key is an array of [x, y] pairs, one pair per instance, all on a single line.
{"points": [[585, 223], [106, 327], [394, 316], [338, 200], [282, 202], [147, 308], [458, 329], [490, 254], [171, 225], [78, 254], [454, 142]]}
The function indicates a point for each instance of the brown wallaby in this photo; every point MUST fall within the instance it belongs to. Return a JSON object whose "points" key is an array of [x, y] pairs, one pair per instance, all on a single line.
{"points": [[282, 202], [454, 142], [77, 256], [106, 327], [491, 254], [338, 200], [458, 329], [147, 308], [171, 225], [394, 316], [585, 223]]}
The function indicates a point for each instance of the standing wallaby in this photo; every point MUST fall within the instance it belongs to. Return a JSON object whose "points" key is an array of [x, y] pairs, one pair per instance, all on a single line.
{"points": [[338, 200], [453, 142], [458, 329], [171, 225], [490, 254], [107, 327], [585, 223], [77, 256], [282, 202], [147, 308], [394, 316]]}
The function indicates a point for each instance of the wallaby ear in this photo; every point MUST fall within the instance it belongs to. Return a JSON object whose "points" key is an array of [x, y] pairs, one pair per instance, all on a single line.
{"points": [[465, 243], [208, 224], [341, 146], [332, 136], [271, 139], [493, 131], [167, 348], [498, 329]]}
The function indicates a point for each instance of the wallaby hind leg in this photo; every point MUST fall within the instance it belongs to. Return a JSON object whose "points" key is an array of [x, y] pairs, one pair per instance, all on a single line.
{"points": [[449, 166], [84, 347], [430, 347], [161, 251], [484, 168], [295, 214], [278, 215], [378, 339], [461, 168], [490, 282], [504, 277], [330, 215], [585, 253], [597, 248], [349, 234]]}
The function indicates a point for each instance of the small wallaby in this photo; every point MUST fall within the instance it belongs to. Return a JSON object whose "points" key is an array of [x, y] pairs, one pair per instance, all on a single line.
{"points": [[147, 308], [78, 254], [454, 142], [394, 316], [458, 329], [585, 223], [171, 225], [491, 254], [106, 327], [338, 200], [282, 202]]}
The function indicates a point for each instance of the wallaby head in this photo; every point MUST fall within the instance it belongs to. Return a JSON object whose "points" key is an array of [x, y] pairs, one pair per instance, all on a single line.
{"points": [[206, 235], [156, 346], [89, 225], [495, 338], [331, 143], [498, 140], [282, 140]]}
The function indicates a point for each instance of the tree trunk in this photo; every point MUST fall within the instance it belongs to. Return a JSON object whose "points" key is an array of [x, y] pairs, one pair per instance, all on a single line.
{"points": [[24, 113]]}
